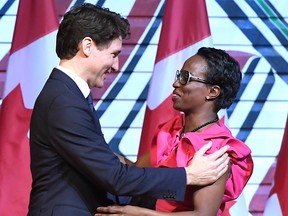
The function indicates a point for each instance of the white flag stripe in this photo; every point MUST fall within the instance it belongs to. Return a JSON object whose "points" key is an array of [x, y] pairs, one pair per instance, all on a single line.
{"points": [[32, 62], [164, 74]]}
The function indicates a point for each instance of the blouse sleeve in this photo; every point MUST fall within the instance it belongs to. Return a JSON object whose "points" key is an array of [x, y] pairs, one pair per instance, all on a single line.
{"points": [[241, 169], [239, 153]]}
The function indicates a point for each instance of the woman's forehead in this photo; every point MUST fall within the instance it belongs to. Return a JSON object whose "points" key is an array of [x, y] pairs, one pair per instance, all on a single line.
{"points": [[195, 64]]}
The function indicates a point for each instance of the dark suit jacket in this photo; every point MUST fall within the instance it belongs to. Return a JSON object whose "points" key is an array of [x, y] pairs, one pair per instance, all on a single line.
{"points": [[71, 164]]}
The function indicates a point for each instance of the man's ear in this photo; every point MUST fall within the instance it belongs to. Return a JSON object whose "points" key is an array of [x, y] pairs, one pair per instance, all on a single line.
{"points": [[214, 92], [86, 46]]}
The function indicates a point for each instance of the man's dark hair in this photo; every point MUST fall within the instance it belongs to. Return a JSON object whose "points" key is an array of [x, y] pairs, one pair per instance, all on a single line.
{"points": [[224, 71], [89, 20]]}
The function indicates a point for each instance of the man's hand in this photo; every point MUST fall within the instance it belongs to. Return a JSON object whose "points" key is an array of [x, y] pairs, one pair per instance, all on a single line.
{"points": [[207, 169], [124, 160]]}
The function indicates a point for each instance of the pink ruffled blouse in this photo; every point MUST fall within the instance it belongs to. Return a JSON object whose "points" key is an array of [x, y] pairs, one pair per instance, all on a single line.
{"points": [[169, 150]]}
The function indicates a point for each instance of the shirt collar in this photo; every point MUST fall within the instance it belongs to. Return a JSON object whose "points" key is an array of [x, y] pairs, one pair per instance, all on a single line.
{"points": [[82, 84]]}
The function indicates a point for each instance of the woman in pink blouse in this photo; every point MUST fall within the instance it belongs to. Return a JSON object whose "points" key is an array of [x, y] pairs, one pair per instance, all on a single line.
{"points": [[208, 81]]}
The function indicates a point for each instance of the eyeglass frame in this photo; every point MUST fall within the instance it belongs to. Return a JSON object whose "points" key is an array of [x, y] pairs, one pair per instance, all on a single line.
{"points": [[190, 78]]}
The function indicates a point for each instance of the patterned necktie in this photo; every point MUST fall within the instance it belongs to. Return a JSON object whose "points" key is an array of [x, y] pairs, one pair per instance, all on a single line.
{"points": [[90, 101], [96, 119]]}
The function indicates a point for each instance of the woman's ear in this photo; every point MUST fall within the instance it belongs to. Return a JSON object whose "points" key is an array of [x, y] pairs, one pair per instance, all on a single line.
{"points": [[214, 92]]}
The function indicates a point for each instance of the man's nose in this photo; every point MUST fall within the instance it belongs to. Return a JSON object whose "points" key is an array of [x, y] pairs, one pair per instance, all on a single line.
{"points": [[115, 66]]}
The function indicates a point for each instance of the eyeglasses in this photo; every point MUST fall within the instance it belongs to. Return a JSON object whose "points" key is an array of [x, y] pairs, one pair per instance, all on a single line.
{"points": [[185, 76]]}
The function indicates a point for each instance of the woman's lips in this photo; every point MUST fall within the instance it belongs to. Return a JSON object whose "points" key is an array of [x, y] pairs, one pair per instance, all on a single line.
{"points": [[175, 96]]}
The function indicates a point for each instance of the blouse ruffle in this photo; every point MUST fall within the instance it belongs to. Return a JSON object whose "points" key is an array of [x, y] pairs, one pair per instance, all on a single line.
{"points": [[169, 150]]}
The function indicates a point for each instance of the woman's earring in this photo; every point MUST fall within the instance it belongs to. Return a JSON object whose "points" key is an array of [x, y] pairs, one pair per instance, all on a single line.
{"points": [[207, 97]]}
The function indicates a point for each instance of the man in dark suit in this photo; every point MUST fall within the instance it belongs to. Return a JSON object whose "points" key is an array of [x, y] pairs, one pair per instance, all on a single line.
{"points": [[73, 169]]}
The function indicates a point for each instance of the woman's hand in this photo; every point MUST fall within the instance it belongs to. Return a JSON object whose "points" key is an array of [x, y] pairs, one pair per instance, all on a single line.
{"points": [[127, 210]]}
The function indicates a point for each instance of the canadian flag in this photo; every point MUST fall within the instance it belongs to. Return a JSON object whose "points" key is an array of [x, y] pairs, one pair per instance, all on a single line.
{"points": [[185, 28], [32, 57], [277, 201]]}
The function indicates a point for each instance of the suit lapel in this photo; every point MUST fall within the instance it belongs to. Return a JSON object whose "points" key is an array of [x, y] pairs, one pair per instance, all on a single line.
{"points": [[58, 74]]}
